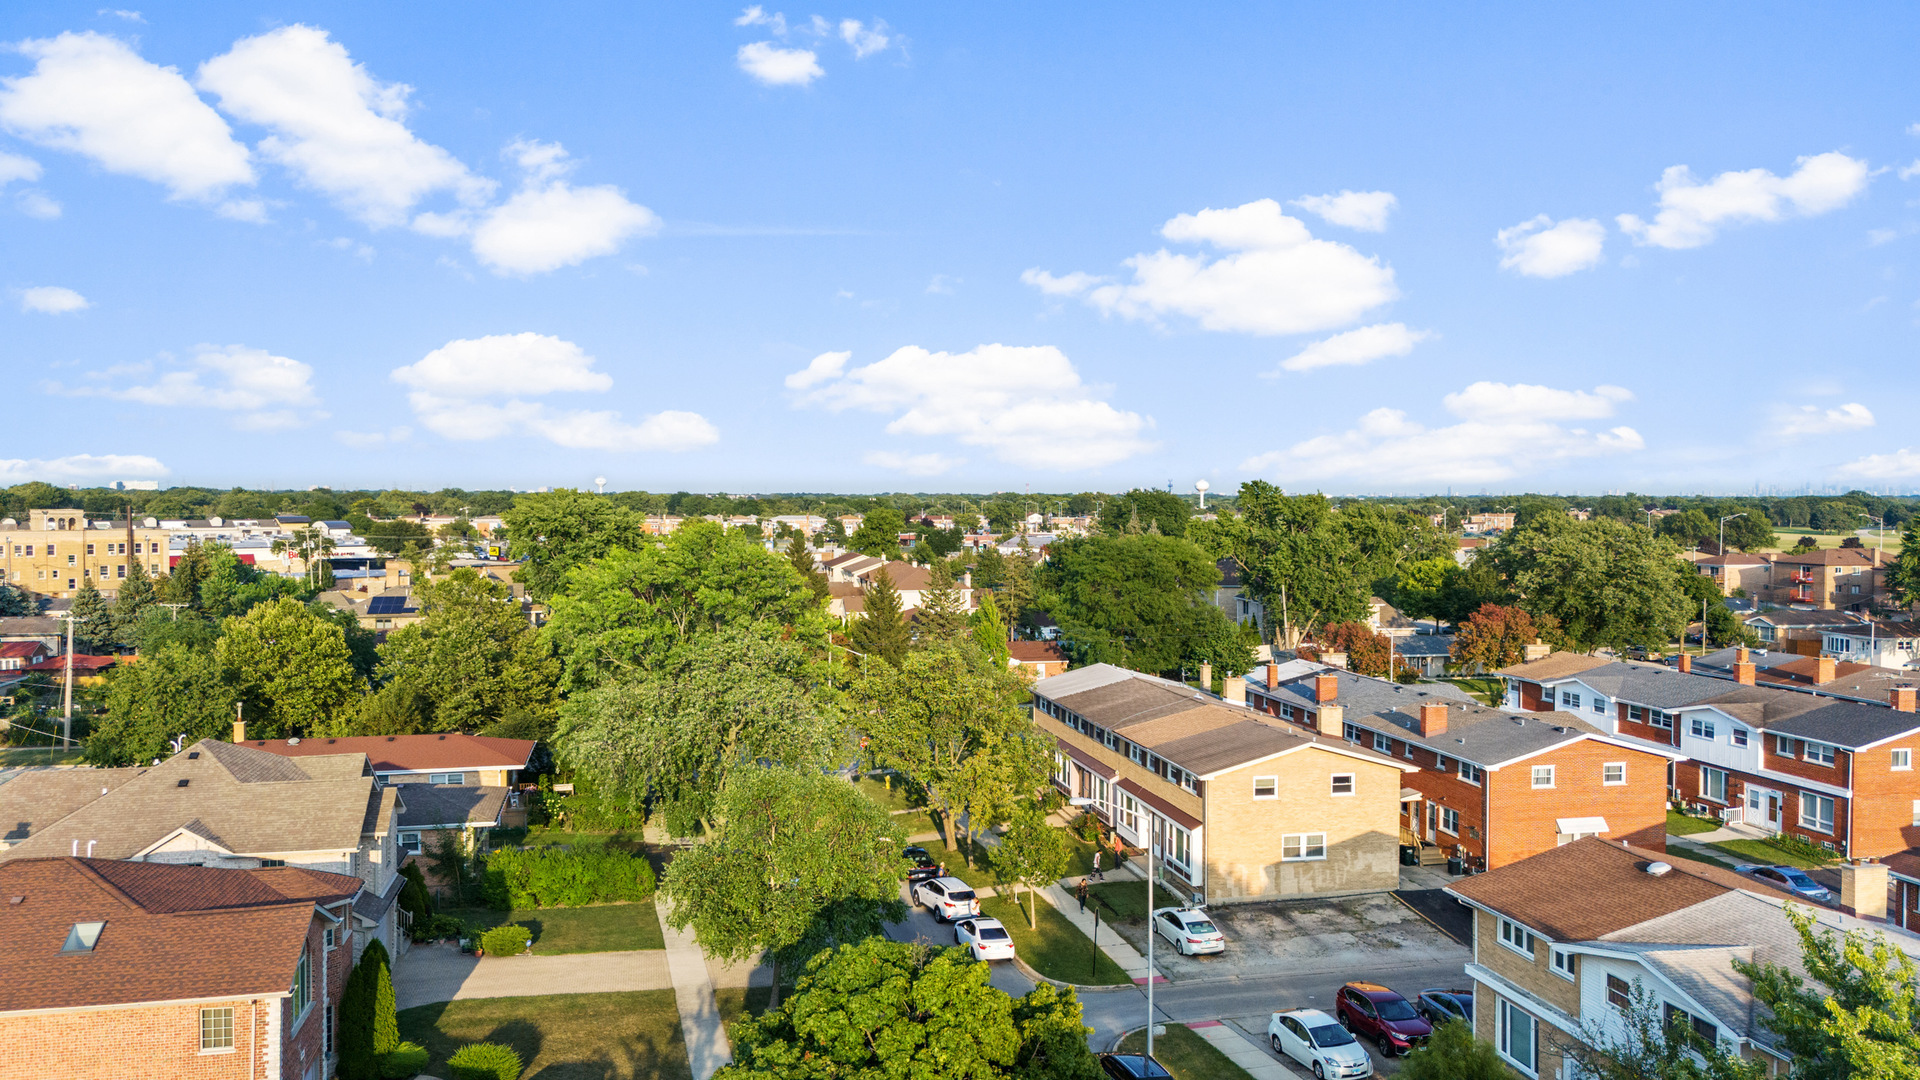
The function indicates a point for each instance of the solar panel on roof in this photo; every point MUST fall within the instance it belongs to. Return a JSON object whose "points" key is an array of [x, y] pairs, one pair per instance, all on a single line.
{"points": [[387, 605]]}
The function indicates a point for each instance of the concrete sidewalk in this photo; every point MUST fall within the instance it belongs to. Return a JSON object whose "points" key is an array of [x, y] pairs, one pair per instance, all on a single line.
{"points": [[1106, 937], [1242, 1051], [430, 973], [708, 1049]]}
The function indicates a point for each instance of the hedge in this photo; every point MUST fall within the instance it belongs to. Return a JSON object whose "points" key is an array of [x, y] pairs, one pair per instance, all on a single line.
{"points": [[508, 940], [485, 1061], [407, 1059], [523, 878]]}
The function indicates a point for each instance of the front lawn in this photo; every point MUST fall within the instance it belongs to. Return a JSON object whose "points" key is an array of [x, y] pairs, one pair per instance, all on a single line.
{"points": [[1679, 824], [1692, 855], [633, 1035], [1759, 851], [1056, 948], [1491, 691], [898, 797], [1186, 1054], [1126, 900], [737, 1002], [12, 756], [595, 928]]}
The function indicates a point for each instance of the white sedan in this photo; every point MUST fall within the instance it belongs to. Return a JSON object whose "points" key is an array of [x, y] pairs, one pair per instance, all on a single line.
{"points": [[1190, 931], [1317, 1041], [948, 898], [987, 939]]}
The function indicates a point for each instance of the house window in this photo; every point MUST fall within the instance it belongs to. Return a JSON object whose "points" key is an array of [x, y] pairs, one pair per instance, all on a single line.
{"points": [[1819, 753], [1450, 821], [1902, 760], [1700, 727], [1613, 773], [1619, 994], [1303, 847], [1739, 736], [1569, 698], [1816, 812], [302, 987], [1713, 784], [1785, 747], [1543, 776], [1266, 787], [216, 1029], [1916, 821], [1471, 773], [329, 938], [1382, 744], [1600, 706], [1343, 783], [1564, 964], [447, 778], [1518, 1040], [1352, 732], [1636, 713], [327, 1033], [410, 841], [1659, 719], [1516, 937], [1680, 1019], [1439, 763]]}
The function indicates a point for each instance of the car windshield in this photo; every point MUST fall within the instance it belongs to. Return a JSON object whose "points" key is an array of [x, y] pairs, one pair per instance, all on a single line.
{"points": [[1397, 1009], [1202, 927], [920, 859], [960, 894], [992, 933], [1798, 878], [1331, 1035]]}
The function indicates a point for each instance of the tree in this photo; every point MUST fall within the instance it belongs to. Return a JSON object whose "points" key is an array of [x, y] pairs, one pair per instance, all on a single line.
{"points": [[1017, 586], [801, 557], [290, 667], [1654, 1047], [1607, 583], [1452, 1053], [881, 632], [1300, 564], [744, 695], [1032, 853], [369, 1026], [1860, 1021], [15, 602], [557, 531], [1368, 653], [799, 861], [943, 614], [881, 1008], [1147, 507], [1688, 528], [1903, 577], [1129, 600], [173, 691], [398, 708], [131, 604], [92, 616], [472, 653], [988, 630], [879, 533], [1495, 637], [1419, 589]]}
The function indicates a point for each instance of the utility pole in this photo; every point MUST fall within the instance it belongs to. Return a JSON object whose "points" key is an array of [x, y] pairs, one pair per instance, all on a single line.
{"points": [[1723, 540], [176, 609], [66, 694]]}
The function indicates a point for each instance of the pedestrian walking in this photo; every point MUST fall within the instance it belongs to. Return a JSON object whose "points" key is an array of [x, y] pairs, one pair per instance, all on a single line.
{"points": [[1082, 892], [1097, 875]]}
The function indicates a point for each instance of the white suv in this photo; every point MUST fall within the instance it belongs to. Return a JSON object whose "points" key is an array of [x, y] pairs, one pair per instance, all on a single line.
{"points": [[948, 898], [1190, 931]]}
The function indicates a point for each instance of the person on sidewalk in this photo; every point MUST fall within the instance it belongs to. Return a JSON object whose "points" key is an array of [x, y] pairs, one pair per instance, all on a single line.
{"points": [[1097, 875], [1082, 893]]}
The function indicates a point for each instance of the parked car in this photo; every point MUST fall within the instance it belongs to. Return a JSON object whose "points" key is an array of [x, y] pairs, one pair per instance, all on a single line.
{"points": [[1439, 1006], [1382, 1015], [1133, 1067], [1190, 930], [1791, 878], [923, 865], [948, 898], [1317, 1041], [987, 939]]}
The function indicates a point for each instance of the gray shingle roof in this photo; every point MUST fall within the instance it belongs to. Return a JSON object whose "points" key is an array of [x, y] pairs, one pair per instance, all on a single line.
{"points": [[1848, 723], [1656, 686], [431, 805], [1363, 694], [1424, 645], [1762, 706]]}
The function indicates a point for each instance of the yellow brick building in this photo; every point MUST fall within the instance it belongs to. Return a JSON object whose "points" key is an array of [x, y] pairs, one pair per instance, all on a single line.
{"points": [[58, 549]]}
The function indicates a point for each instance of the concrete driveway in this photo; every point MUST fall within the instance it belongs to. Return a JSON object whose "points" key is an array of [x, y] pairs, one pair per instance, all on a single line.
{"points": [[1352, 935], [430, 973], [921, 926]]}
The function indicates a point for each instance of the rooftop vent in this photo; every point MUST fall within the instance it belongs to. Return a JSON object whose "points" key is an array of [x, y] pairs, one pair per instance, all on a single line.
{"points": [[443, 738], [83, 937], [293, 742], [389, 738], [184, 781], [193, 755], [16, 899], [1659, 869]]}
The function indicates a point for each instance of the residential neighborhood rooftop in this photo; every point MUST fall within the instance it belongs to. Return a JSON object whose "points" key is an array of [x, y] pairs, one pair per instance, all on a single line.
{"points": [[410, 753]]}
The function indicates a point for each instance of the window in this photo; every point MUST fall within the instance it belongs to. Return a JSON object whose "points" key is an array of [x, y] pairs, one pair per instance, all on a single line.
{"points": [[1659, 719], [1343, 783], [1819, 753], [1266, 787], [329, 937], [216, 1029], [1352, 732], [1739, 736], [1700, 727], [1439, 763], [1450, 821], [1785, 747], [1619, 994], [327, 1032], [1516, 937], [1569, 698], [1382, 744], [1636, 713], [1713, 784], [1916, 821], [410, 841], [1303, 847], [1613, 773], [1676, 1017], [1564, 963], [1902, 760], [1517, 1042], [1471, 773], [447, 778], [89, 549], [1600, 705], [302, 986], [1543, 776], [1816, 812]]}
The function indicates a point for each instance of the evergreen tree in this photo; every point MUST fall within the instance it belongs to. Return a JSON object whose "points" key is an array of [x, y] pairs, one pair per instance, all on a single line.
{"points": [[883, 633], [182, 585], [989, 630], [355, 1020], [943, 614], [385, 1027], [1016, 594], [93, 619], [802, 559], [135, 598], [15, 602]]}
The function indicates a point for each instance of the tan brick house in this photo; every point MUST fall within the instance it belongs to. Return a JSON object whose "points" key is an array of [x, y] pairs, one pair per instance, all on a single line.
{"points": [[56, 550], [115, 969], [1238, 807], [1845, 579]]}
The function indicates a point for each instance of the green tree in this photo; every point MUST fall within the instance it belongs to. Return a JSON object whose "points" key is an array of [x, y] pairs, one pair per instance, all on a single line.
{"points": [[557, 531], [1687, 528], [799, 861], [130, 605], [1860, 1019], [1300, 564], [1903, 577], [943, 614], [1129, 600], [988, 630], [881, 632], [1654, 1048], [1607, 583], [398, 708], [182, 584], [1017, 585], [879, 533], [15, 602], [355, 1019], [1147, 507], [801, 558], [472, 653], [1452, 1053], [1419, 589], [743, 695], [1468, 588], [173, 691], [92, 616], [222, 590], [386, 1021], [1033, 854], [291, 668], [880, 1008]]}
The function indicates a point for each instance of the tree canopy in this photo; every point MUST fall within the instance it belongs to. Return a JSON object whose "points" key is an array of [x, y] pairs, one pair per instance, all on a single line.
{"points": [[291, 667], [473, 655], [1140, 602], [557, 531]]}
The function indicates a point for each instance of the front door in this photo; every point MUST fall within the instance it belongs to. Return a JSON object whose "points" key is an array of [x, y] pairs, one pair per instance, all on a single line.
{"points": [[1763, 808], [1433, 819]]}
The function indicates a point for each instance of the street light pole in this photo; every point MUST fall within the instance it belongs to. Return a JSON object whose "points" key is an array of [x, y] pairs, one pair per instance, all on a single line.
{"points": [[1085, 802], [1723, 542]]}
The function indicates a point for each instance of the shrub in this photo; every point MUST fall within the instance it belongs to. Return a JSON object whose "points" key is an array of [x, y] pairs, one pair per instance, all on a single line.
{"points": [[484, 1061], [565, 877], [1805, 849], [509, 940], [407, 1059]]}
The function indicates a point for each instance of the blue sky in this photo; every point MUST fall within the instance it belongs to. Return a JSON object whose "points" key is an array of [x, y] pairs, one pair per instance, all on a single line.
{"points": [[945, 248]]}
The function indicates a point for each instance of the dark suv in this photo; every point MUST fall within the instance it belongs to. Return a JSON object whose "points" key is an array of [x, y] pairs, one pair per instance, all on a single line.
{"points": [[1378, 1013], [923, 867]]}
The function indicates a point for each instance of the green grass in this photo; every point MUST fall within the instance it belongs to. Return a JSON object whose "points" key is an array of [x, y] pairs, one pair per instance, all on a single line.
{"points": [[622, 1036], [1788, 537], [1679, 824], [1759, 851], [1186, 1054], [737, 1002], [917, 823], [1126, 901], [898, 797], [547, 836], [1056, 948], [37, 755], [559, 931], [1489, 691], [1691, 855]]}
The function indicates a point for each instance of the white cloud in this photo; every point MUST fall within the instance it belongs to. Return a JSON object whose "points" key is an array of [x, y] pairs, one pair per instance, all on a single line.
{"points": [[51, 300], [1496, 439], [77, 467], [864, 40], [1363, 210], [1355, 347], [1813, 420], [1540, 247], [14, 167], [93, 95], [912, 464], [269, 392], [549, 223], [373, 440], [123, 13], [1276, 279], [456, 388], [35, 204], [1898, 465], [942, 285], [1692, 212], [334, 126], [775, 66], [757, 16], [1026, 404]]}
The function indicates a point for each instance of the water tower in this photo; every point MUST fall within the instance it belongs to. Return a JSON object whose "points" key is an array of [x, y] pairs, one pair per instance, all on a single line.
{"points": [[1202, 487], [600, 484]]}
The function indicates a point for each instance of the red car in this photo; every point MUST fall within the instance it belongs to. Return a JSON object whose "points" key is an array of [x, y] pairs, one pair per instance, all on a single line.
{"points": [[1378, 1013]]}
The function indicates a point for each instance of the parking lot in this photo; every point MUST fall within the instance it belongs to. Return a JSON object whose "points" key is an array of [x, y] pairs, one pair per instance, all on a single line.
{"points": [[1351, 934]]}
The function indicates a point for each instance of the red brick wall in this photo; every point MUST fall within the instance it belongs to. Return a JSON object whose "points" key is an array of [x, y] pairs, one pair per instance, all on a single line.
{"points": [[1639, 730], [1883, 801], [1522, 820], [1687, 778], [1837, 774], [1532, 700], [1447, 790], [154, 1040]]}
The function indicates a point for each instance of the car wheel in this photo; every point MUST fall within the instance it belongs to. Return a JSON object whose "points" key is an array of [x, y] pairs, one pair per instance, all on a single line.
{"points": [[1346, 1022], [1318, 1071], [1275, 1041]]}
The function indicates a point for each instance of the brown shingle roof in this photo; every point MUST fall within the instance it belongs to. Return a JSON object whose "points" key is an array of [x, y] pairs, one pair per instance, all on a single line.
{"points": [[1593, 887], [1036, 652], [412, 753], [1554, 666], [172, 932]]}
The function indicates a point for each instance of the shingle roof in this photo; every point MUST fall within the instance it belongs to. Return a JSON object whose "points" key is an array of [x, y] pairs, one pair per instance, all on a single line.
{"points": [[1424, 645], [1791, 617], [1762, 706], [1848, 723], [1653, 685], [172, 932], [1361, 694], [411, 753], [32, 799], [1829, 557], [1554, 666], [31, 626], [1591, 888], [1035, 652], [429, 805]]}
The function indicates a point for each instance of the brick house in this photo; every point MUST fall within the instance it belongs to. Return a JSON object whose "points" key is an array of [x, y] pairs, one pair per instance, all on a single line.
{"points": [[59, 549], [1493, 787], [16, 656], [1823, 675], [1037, 659], [1828, 579], [1238, 808], [1788, 630], [451, 758], [1563, 941], [116, 969], [1526, 682], [1737, 570]]}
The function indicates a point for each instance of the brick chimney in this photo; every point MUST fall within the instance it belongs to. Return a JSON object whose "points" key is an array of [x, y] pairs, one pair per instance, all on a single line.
{"points": [[1535, 651], [1826, 670], [1863, 888], [1234, 689], [1902, 698], [1741, 656], [1326, 687], [1331, 721], [1743, 670], [1433, 719], [1686, 664], [1273, 675], [239, 731], [1206, 676]]}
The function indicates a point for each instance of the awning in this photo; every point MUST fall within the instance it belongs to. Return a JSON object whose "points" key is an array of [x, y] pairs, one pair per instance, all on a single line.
{"points": [[1407, 794], [1166, 809], [1087, 761], [1576, 826]]}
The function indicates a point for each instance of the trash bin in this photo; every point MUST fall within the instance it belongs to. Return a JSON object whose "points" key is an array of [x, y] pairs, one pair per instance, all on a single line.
{"points": [[1409, 855], [1456, 866]]}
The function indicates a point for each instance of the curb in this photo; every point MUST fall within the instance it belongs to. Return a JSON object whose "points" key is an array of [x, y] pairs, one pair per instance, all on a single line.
{"points": [[1078, 988]]}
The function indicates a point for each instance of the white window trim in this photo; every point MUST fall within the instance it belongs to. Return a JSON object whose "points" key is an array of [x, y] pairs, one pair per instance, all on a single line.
{"points": [[1503, 1026], [1895, 754], [1478, 773], [233, 1030], [1333, 784], [1535, 776], [1444, 811], [1558, 956], [1303, 856], [1272, 780], [1621, 765], [1517, 930]]}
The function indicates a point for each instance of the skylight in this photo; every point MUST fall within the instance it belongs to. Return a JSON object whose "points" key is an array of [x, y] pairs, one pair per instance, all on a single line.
{"points": [[83, 937]]}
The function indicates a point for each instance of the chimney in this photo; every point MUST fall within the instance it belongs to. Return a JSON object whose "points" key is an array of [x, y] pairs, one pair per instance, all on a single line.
{"points": [[1686, 664], [1902, 698], [1331, 721], [1535, 651], [1863, 889], [1740, 655], [1206, 676], [1326, 687], [1334, 659], [1826, 670], [1433, 719], [1273, 675], [1234, 689], [1743, 670], [239, 731]]}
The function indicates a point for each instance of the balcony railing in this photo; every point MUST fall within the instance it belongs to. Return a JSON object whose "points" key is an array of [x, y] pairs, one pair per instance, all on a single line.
{"points": [[1800, 596], [1802, 577]]}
